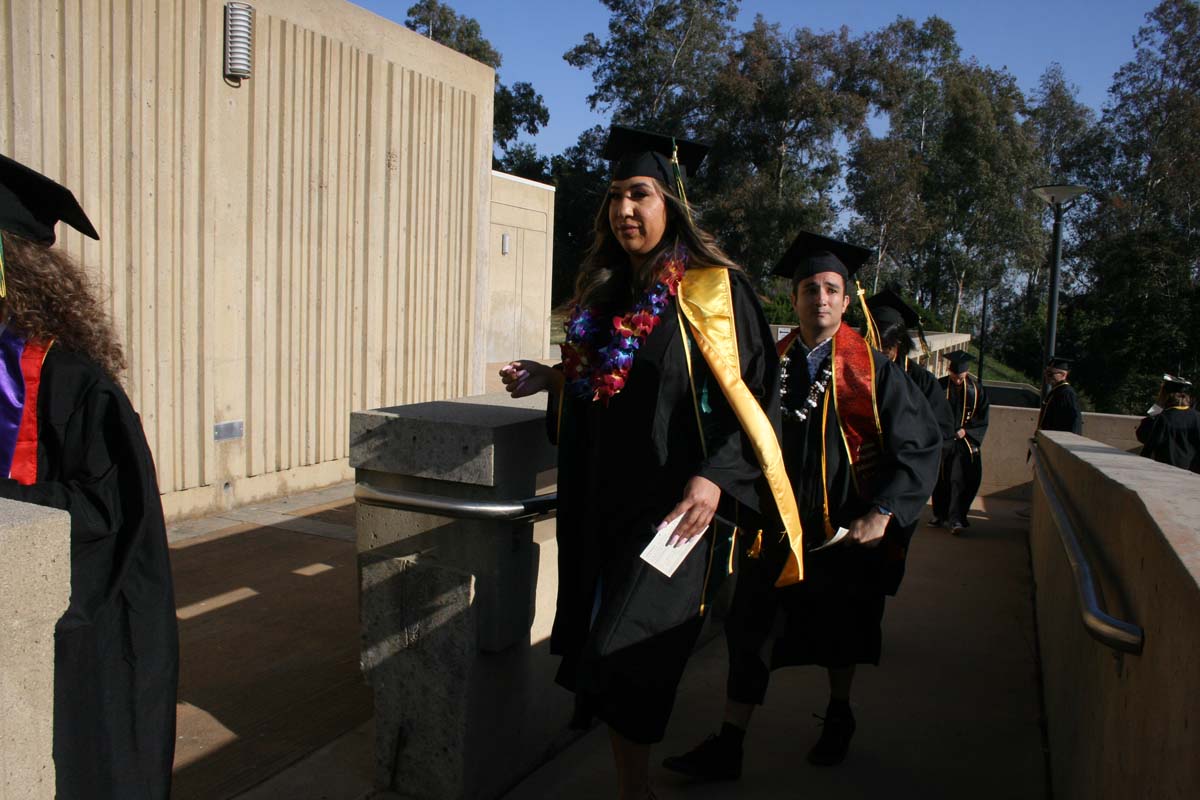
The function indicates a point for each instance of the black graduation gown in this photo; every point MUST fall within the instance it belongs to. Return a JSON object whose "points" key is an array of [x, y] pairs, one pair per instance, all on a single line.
{"points": [[962, 459], [935, 394], [1172, 437], [833, 616], [116, 648], [624, 630], [1061, 411]]}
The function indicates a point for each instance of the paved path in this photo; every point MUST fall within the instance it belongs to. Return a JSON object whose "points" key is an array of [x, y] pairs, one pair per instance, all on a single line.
{"points": [[267, 601], [952, 712]]}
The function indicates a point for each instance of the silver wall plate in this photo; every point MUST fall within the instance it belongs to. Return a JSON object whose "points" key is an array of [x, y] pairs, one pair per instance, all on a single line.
{"points": [[224, 431]]}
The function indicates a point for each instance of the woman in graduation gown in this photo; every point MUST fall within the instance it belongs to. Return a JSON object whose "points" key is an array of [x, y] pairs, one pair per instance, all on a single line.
{"points": [[1170, 434], [69, 439], [658, 414]]}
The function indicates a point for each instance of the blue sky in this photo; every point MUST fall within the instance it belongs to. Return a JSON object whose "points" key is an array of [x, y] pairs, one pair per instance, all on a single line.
{"points": [[1090, 38]]}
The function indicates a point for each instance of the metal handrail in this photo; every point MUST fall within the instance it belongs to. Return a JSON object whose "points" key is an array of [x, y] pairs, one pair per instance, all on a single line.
{"points": [[1108, 630], [454, 507]]}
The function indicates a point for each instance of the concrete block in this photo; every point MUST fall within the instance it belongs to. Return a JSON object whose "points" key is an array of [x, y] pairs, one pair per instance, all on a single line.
{"points": [[418, 652], [473, 441], [35, 589]]}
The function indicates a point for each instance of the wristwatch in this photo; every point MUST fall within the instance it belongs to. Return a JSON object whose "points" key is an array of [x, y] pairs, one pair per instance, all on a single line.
{"points": [[885, 511]]}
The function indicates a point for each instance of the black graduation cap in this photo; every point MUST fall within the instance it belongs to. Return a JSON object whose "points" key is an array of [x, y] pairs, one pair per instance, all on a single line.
{"points": [[31, 204], [1173, 383], [959, 359], [811, 254], [637, 152], [1058, 362], [888, 308]]}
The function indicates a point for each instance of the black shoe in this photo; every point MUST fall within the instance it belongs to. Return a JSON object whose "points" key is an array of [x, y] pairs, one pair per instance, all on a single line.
{"points": [[714, 759], [936, 522], [956, 528], [838, 728]]}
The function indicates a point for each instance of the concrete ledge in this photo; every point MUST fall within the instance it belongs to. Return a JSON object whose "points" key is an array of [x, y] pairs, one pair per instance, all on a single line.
{"points": [[35, 588], [1121, 725]]}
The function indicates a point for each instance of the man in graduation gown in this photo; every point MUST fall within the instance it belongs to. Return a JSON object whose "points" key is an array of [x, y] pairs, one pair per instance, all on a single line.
{"points": [[891, 322], [962, 458], [861, 447], [69, 439], [1060, 408], [1170, 433]]}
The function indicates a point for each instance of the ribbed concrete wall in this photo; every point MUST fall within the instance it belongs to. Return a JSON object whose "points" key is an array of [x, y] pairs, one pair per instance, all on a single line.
{"points": [[283, 252]]}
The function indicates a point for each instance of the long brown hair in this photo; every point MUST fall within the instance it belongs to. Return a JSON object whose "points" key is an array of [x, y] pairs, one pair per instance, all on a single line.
{"points": [[607, 278], [51, 296]]}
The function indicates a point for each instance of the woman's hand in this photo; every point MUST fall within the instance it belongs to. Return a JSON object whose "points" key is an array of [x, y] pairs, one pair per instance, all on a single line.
{"points": [[699, 504], [523, 378]]}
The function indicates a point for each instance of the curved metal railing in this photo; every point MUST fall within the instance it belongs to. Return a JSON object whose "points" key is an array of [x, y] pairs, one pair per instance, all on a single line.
{"points": [[457, 508], [1108, 630]]}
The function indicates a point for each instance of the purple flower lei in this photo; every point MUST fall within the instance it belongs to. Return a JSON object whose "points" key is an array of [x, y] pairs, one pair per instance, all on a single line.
{"points": [[599, 370]]}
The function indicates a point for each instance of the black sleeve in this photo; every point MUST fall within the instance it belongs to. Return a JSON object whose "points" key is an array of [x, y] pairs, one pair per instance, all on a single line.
{"points": [[101, 475], [935, 395], [731, 462], [1145, 433], [976, 427], [912, 444]]}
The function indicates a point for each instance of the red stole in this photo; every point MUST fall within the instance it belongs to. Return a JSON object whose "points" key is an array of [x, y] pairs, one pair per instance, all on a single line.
{"points": [[24, 463], [855, 407]]}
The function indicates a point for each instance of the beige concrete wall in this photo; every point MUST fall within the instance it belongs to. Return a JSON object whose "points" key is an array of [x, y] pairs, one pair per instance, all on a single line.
{"points": [[1121, 725], [281, 252], [1007, 473], [35, 588], [519, 280]]}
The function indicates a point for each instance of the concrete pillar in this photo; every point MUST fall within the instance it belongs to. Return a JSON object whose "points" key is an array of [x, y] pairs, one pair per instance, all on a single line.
{"points": [[456, 612], [35, 588]]}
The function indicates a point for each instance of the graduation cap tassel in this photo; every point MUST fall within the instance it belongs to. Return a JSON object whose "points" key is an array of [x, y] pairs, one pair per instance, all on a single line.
{"points": [[924, 342], [872, 329], [675, 170], [3, 282]]}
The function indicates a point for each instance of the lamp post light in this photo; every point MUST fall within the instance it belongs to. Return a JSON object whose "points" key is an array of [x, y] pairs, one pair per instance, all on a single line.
{"points": [[1055, 196]]}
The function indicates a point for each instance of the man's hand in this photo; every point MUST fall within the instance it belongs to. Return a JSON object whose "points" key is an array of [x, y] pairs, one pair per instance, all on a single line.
{"points": [[699, 504], [868, 529]]}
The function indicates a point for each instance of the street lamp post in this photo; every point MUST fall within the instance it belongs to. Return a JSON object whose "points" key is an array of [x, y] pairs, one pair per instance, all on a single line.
{"points": [[1055, 196]]}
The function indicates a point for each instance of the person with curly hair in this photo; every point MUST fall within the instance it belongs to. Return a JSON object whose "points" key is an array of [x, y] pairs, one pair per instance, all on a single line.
{"points": [[665, 409], [70, 439]]}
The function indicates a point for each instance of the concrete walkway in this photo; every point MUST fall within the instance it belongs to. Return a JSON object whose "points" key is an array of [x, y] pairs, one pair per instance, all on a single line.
{"points": [[267, 601], [952, 712]]}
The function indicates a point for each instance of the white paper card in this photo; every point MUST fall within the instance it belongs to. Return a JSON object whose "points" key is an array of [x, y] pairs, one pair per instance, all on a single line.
{"points": [[664, 558], [837, 537]]}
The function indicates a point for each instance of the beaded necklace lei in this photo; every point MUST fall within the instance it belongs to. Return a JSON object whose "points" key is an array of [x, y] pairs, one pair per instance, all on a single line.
{"points": [[814, 391], [596, 358]]}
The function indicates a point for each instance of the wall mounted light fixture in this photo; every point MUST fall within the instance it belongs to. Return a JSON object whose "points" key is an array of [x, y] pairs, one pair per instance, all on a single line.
{"points": [[504, 244], [239, 40]]}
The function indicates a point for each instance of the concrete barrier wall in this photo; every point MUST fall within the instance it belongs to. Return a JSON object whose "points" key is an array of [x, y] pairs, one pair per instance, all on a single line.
{"points": [[35, 587], [1007, 473], [457, 613], [1121, 726]]}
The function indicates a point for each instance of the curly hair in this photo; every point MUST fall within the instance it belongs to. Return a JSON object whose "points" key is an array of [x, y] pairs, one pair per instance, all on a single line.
{"points": [[606, 278], [51, 296]]}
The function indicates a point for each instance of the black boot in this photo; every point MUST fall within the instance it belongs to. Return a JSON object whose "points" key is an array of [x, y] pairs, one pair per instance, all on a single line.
{"points": [[838, 728], [717, 758]]}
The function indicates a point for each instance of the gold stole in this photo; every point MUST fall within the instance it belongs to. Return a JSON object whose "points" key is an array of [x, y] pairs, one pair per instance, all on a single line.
{"points": [[705, 298]]}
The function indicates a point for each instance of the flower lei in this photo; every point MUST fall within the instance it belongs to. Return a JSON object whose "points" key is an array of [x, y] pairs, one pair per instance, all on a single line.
{"points": [[595, 367]]}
